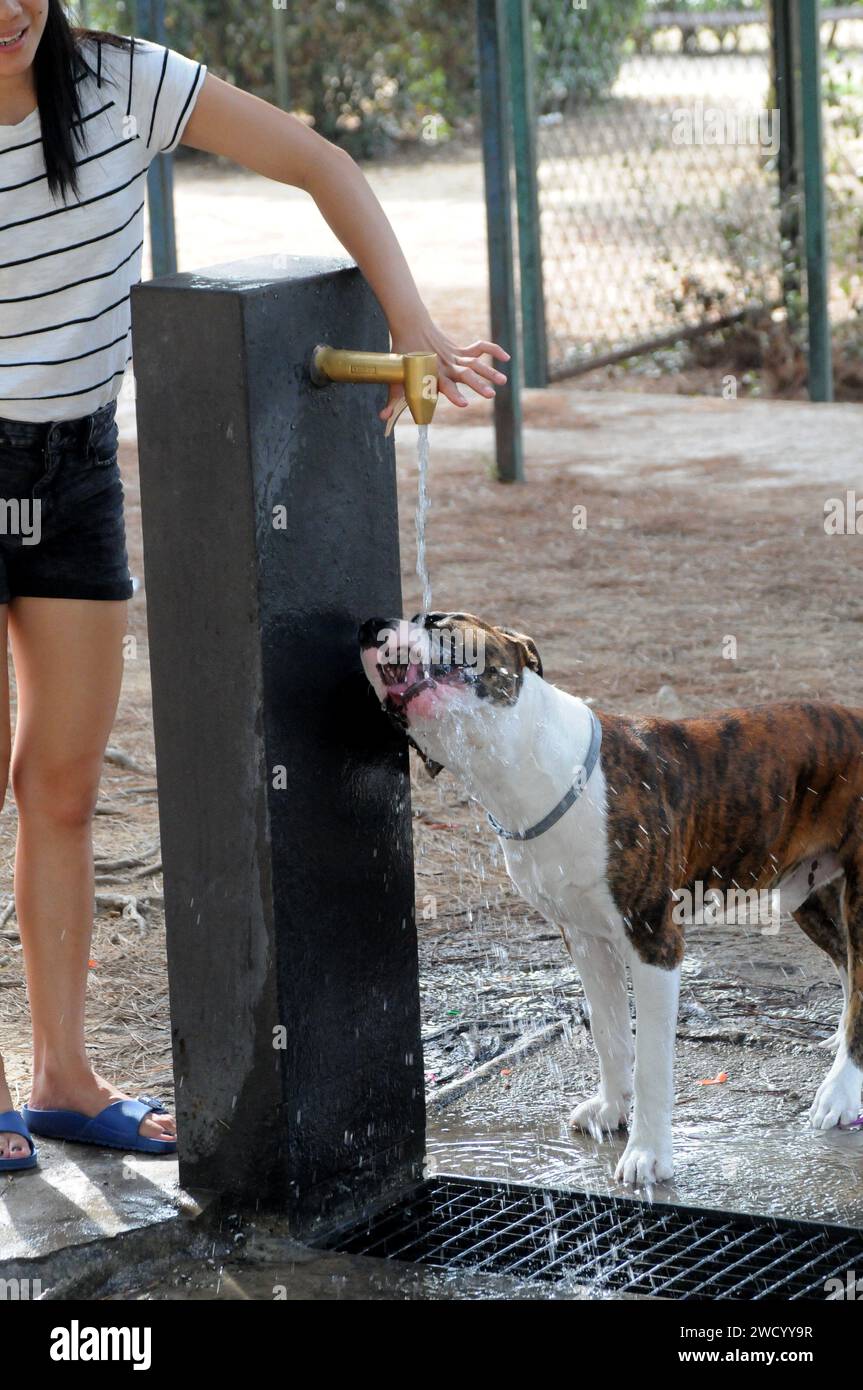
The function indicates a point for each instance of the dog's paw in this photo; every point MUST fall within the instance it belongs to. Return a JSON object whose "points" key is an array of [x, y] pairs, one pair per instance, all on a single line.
{"points": [[600, 1117], [642, 1165], [837, 1102]]}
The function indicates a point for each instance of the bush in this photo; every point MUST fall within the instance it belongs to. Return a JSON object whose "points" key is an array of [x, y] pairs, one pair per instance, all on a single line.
{"points": [[579, 51]]}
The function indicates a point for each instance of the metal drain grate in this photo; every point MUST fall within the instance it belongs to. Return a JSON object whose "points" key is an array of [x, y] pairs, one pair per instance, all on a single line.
{"points": [[614, 1244]]}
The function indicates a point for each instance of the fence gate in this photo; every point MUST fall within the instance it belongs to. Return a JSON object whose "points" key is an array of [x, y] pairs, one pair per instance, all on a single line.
{"points": [[668, 177]]}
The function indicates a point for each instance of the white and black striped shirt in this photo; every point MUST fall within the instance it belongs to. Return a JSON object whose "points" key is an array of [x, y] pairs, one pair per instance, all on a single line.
{"points": [[66, 271]]}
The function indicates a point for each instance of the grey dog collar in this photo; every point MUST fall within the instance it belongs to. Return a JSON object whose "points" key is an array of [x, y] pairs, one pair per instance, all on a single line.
{"points": [[582, 776]]}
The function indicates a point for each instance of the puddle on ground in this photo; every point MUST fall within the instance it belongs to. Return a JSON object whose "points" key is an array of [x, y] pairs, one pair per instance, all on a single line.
{"points": [[784, 1170]]}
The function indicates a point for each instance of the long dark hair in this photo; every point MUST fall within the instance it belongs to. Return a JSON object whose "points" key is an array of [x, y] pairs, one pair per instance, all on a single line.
{"points": [[58, 65]]}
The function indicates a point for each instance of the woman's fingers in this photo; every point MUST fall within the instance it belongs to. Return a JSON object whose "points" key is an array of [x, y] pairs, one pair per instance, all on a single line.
{"points": [[473, 372], [493, 350], [483, 369], [448, 387], [457, 366], [468, 377]]}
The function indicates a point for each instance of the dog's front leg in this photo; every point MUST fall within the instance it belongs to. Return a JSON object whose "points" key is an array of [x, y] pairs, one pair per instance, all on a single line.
{"points": [[647, 1157], [603, 976]]}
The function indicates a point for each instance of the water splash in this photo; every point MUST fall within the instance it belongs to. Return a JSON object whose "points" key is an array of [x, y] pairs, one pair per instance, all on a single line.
{"points": [[422, 514]]}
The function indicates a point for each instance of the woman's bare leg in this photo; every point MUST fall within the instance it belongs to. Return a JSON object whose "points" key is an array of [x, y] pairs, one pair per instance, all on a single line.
{"points": [[68, 667], [11, 1145]]}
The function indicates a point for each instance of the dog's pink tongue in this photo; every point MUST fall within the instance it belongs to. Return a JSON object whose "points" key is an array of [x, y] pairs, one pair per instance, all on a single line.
{"points": [[413, 674]]}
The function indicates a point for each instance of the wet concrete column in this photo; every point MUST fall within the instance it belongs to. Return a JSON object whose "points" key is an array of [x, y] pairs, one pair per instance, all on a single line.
{"points": [[270, 534]]}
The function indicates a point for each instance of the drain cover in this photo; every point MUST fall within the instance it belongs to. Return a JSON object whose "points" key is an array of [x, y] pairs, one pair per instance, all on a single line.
{"points": [[614, 1244]]}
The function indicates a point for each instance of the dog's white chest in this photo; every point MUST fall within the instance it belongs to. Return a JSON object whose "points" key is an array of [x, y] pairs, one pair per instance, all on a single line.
{"points": [[563, 872]]}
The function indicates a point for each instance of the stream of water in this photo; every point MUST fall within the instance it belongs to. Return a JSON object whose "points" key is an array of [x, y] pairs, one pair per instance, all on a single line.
{"points": [[422, 514]]}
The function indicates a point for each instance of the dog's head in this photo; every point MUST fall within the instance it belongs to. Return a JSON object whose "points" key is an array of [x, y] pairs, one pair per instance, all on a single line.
{"points": [[446, 678]]}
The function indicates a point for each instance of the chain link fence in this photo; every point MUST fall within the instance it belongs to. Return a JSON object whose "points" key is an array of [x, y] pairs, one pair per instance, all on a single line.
{"points": [[658, 183], [842, 86]]}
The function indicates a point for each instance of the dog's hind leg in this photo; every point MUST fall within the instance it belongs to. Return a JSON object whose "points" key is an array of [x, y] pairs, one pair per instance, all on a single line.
{"points": [[603, 975], [837, 1100], [820, 917]]}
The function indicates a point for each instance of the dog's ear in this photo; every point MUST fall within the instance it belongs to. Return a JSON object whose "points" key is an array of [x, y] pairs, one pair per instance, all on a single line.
{"points": [[530, 652], [432, 768]]}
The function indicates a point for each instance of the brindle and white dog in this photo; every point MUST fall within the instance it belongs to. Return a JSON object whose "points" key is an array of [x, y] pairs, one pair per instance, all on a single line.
{"points": [[604, 820]]}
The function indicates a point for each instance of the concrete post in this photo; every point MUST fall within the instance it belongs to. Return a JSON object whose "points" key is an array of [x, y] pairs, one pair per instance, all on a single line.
{"points": [[270, 534]]}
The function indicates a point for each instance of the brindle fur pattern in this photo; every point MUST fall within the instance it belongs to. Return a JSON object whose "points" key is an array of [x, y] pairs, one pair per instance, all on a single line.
{"points": [[735, 800]]}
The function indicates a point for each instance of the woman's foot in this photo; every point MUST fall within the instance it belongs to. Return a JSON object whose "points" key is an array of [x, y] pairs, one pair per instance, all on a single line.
{"points": [[88, 1093], [11, 1145]]}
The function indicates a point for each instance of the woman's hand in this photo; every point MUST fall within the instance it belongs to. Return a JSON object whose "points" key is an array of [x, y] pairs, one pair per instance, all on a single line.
{"points": [[457, 366]]}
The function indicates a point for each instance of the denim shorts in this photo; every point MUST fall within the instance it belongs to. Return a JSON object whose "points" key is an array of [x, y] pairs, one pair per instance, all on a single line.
{"points": [[62, 527]]}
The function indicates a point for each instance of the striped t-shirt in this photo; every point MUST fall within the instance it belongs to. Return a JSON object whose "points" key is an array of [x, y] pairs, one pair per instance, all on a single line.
{"points": [[66, 272]]}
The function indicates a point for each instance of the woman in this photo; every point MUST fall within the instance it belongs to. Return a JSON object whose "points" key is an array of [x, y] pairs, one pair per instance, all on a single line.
{"points": [[81, 116]]}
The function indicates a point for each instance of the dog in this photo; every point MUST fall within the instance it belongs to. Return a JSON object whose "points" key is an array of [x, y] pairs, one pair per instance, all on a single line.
{"points": [[609, 824]]}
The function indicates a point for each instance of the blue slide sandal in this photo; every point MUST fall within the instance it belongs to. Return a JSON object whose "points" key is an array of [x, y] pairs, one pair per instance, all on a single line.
{"points": [[12, 1123], [115, 1127]]}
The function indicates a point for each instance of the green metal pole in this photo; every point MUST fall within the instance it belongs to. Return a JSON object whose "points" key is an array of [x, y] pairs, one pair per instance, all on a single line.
{"points": [[808, 55], [783, 99], [491, 39], [521, 74], [280, 59], [150, 24]]}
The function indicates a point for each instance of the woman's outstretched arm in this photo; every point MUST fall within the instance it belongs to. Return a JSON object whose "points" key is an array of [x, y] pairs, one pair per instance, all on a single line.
{"points": [[259, 136]]}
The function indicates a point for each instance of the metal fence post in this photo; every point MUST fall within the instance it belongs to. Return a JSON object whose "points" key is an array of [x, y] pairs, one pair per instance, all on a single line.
{"points": [[149, 17], [491, 48], [808, 72], [782, 81], [521, 69], [281, 80]]}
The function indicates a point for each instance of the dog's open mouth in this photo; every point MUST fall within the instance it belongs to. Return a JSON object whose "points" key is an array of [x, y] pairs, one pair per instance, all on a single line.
{"points": [[404, 682]]}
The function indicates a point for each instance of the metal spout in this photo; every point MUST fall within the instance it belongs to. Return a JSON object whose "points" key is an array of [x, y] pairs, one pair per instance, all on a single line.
{"points": [[417, 372]]}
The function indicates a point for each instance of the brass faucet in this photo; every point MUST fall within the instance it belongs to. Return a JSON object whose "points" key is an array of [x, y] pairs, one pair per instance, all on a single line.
{"points": [[417, 371]]}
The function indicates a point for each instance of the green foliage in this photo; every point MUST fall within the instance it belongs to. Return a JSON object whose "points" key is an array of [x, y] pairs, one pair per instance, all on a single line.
{"points": [[579, 48], [367, 72], [373, 72]]}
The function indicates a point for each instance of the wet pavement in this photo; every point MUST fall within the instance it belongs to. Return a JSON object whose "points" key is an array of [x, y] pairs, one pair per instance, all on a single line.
{"points": [[97, 1225], [755, 1007], [90, 1224], [743, 1145]]}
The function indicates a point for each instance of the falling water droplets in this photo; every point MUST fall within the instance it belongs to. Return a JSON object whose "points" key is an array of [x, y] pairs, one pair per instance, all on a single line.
{"points": [[422, 514]]}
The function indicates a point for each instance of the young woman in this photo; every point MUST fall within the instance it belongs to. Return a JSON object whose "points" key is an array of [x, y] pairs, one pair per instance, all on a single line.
{"points": [[82, 114]]}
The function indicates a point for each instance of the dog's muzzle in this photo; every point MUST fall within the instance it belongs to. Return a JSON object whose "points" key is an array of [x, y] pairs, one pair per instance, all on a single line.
{"points": [[394, 705], [400, 698]]}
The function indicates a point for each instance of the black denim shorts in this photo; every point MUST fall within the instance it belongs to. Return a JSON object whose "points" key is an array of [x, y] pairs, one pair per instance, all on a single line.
{"points": [[62, 526]]}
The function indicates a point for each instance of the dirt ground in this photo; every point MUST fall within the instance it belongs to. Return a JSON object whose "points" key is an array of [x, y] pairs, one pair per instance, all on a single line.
{"points": [[698, 529]]}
